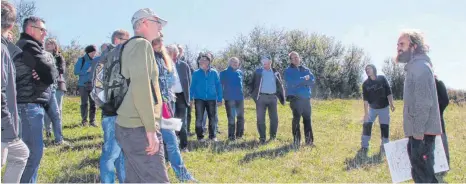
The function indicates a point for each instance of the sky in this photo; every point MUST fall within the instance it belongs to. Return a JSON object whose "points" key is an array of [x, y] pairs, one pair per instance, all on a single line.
{"points": [[213, 24]]}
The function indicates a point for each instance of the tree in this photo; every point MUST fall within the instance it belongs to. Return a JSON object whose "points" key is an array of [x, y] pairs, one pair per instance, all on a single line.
{"points": [[71, 53], [23, 9], [337, 71], [395, 74]]}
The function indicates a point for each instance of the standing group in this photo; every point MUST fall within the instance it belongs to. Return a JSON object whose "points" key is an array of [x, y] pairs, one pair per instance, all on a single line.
{"points": [[140, 84]]}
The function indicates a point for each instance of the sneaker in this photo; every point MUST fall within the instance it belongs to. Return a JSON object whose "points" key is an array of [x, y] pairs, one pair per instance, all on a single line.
{"points": [[63, 143], [213, 140], [92, 124], [231, 139], [190, 134], [185, 150], [84, 123], [262, 141], [310, 144], [201, 140]]}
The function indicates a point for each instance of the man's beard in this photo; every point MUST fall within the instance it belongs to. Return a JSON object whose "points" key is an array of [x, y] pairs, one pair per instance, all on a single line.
{"points": [[405, 56]]}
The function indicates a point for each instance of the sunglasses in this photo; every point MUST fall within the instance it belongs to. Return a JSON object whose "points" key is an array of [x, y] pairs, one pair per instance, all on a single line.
{"points": [[40, 28]]}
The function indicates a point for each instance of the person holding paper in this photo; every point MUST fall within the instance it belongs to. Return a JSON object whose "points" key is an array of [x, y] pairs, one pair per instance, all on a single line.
{"points": [[166, 82], [421, 115]]}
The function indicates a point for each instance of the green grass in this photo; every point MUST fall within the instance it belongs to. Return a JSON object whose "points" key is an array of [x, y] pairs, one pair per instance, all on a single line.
{"points": [[337, 128]]}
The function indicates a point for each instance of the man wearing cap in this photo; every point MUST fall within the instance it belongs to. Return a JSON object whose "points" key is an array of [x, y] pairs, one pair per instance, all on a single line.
{"points": [[138, 121], [206, 91], [82, 68], [267, 86]]}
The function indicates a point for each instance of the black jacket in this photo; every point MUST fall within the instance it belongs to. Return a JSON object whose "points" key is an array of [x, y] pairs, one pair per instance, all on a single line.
{"points": [[28, 89], [61, 67], [256, 82]]}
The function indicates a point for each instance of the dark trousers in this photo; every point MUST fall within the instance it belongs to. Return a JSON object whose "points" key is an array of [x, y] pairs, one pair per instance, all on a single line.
{"points": [[188, 118], [301, 107], [264, 103], [235, 109], [421, 155], [180, 112], [85, 97], [211, 107], [140, 167]]}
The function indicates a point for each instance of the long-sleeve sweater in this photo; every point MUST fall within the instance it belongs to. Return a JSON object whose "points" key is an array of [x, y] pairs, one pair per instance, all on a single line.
{"points": [[421, 115], [142, 104]]}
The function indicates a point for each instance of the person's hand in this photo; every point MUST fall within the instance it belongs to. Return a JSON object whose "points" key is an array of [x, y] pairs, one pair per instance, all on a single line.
{"points": [[154, 143], [392, 107], [89, 70], [365, 118], [219, 103], [35, 76], [192, 103], [419, 137], [307, 77]]}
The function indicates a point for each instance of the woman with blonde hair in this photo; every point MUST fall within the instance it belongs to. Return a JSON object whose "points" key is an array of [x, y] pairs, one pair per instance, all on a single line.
{"points": [[166, 82]]}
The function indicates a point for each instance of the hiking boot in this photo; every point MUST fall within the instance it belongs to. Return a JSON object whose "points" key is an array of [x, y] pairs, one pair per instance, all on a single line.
{"points": [[93, 124], [84, 123], [310, 144]]}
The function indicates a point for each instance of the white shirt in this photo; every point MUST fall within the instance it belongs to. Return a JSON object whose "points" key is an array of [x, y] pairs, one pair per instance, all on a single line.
{"points": [[177, 88]]}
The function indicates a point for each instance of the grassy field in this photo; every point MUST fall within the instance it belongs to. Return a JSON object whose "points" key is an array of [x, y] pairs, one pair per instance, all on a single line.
{"points": [[337, 128]]}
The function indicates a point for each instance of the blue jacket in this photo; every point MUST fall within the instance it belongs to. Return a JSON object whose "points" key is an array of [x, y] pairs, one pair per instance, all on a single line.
{"points": [[80, 69], [206, 85], [232, 84], [295, 83]]}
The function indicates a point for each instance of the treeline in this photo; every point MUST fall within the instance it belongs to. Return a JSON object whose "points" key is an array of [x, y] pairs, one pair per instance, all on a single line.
{"points": [[338, 68]]}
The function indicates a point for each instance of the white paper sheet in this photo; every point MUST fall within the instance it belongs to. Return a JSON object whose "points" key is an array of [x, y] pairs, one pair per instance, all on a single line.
{"points": [[398, 159]]}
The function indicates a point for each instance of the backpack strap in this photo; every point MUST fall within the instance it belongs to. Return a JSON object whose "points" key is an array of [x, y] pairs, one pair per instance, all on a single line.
{"points": [[82, 62], [123, 46]]}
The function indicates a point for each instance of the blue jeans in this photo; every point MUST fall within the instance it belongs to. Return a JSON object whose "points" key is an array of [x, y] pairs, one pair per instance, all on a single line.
{"points": [[32, 122], [112, 157], [59, 95], [53, 117], [174, 156]]}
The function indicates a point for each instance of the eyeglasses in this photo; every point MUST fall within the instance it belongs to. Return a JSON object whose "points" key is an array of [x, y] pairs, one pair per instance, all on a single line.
{"points": [[40, 28], [158, 21]]}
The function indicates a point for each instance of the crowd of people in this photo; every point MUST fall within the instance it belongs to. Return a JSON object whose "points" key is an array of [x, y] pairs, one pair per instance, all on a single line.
{"points": [[155, 83]]}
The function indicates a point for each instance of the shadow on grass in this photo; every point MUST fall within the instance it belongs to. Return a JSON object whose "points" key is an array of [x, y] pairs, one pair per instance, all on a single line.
{"points": [[361, 160], [223, 146], [78, 178], [83, 138], [227, 146], [79, 173], [95, 146], [72, 126], [93, 162], [272, 153]]}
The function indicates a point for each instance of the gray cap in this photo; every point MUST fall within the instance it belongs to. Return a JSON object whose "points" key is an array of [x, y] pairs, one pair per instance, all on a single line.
{"points": [[146, 13], [265, 58]]}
